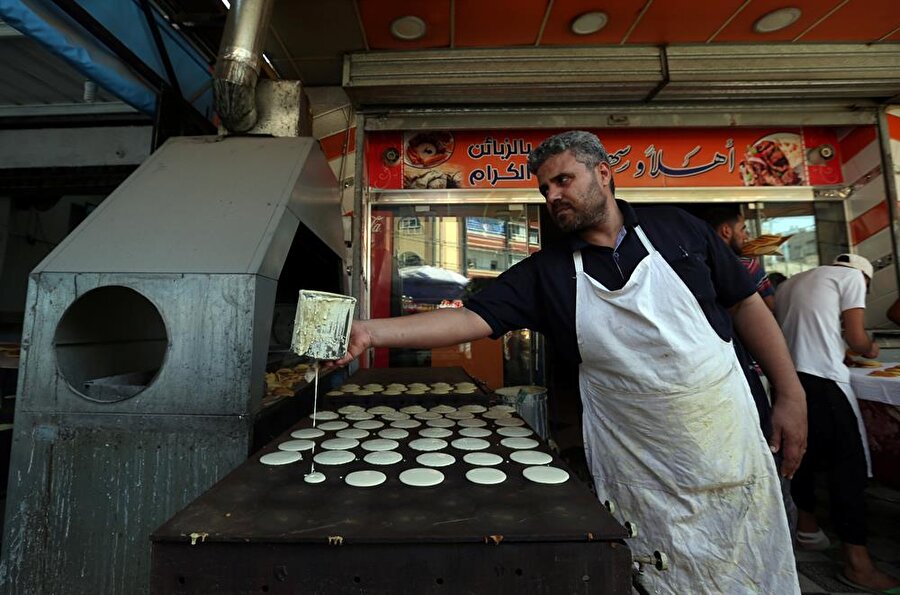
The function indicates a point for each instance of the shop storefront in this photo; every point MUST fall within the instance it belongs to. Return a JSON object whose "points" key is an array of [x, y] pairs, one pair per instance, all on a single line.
{"points": [[448, 210]]}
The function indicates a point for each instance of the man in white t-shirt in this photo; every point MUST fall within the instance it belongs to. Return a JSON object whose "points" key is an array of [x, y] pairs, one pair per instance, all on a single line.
{"points": [[812, 307]]}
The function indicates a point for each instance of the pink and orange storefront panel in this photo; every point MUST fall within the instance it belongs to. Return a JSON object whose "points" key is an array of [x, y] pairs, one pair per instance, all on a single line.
{"points": [[677, 158]]}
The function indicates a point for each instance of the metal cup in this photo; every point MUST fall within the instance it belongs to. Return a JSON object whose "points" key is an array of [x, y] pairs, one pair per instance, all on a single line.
{"points": [[322, 324]]}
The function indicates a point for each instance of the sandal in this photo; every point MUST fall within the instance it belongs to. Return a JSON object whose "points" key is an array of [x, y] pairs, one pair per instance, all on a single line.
{"points": [[843, 578]]}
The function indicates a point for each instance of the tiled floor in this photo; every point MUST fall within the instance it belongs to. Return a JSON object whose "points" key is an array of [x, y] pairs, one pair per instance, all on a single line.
{"points": [[818, 570]]}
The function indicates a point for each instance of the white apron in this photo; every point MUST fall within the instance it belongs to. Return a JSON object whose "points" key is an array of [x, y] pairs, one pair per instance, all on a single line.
{"points": [[847, 389], [672, 437]]}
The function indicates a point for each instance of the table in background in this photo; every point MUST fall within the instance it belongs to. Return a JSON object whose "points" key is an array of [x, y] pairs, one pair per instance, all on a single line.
{"points": [[879, 402]]}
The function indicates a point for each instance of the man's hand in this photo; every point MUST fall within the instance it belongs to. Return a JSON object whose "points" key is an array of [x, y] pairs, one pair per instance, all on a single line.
{"points": [[789, 430], [426, 330], [360, 340], [873, 352]]}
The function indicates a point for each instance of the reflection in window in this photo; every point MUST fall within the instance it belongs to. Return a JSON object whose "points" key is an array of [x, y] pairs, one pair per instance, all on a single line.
{"points": [[435, 256], [410, 226]]}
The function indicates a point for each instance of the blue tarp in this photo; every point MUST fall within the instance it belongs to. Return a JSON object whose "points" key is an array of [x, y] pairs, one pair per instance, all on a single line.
{"points": [[44, 22]]}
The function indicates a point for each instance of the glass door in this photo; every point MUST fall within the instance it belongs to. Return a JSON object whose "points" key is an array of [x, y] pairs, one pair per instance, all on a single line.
{"points": [[425, 257]]}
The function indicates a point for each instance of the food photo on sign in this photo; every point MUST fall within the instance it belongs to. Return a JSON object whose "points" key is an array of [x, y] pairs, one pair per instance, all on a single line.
{"points": [[425, 155], [775, 160]]}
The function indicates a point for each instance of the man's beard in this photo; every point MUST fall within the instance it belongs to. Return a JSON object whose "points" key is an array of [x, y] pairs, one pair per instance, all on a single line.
{"points": [[591, 209]]}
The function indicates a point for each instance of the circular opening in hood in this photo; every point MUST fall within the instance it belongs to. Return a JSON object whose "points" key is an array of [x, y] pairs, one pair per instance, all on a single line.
{"points": [[110, 344]]}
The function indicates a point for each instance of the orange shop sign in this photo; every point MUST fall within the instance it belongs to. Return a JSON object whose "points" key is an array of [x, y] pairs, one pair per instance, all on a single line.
{"points": [[681, 157]]}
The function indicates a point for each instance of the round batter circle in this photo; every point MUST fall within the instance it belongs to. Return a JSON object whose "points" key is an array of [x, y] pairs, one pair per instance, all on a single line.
{"points": [[470, 444], [435, 433], [281, 457], [440, 423], [428, 444], [383, 457], [365, 479], [472, 423], [332, 426], [297, 445], [352, 433], [531, 457], [428, 415], [495, 414], [379, 444], [340, 444], [405, 424], [435, 459], [369, 424], [360, 416], [482, 459], [421, 477], [413, 409], [334, 457], [314, 477], [549, 475], [513, 432], [323, 415], [380, 410], [395, 416], [459, 415], [475, 432], [504, 408], [519, 443], [346, 409], [393, 434], [473, 408], [307, 433], [486, 475]]}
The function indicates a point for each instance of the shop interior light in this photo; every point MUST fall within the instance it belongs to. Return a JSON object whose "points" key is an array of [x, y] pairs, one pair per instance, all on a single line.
{"points": [[777, 20], [589, 22], [409, 28]]}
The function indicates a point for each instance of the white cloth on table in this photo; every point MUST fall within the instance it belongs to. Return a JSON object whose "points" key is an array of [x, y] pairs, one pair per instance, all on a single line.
{"points": [[875, 388]]}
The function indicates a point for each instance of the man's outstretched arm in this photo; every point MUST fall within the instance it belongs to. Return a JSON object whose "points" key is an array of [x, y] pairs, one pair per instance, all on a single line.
{"points": [[438, 328]]}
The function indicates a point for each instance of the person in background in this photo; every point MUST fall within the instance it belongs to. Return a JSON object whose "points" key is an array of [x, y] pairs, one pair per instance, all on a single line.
{"points": [[812, 307], [730, 225], [645, 300], [893, 312], [776, 279]]}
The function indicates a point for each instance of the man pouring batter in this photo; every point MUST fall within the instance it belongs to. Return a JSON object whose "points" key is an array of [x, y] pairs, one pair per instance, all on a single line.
{"points": [[646, 300]]}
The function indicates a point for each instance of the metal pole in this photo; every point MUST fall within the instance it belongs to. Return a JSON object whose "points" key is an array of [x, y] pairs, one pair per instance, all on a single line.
{"points": [[888, 172]]}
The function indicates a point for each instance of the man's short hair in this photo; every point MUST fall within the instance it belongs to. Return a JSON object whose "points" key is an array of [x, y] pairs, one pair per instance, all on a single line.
{"points": [[718, 215], [585, 146]]}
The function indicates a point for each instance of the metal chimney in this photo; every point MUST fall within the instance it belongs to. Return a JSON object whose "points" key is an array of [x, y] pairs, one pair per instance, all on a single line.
{"points": [[239, 61]]}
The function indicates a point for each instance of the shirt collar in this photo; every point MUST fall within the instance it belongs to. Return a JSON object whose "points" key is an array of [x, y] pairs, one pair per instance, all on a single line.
{"points": [[629, 217]]}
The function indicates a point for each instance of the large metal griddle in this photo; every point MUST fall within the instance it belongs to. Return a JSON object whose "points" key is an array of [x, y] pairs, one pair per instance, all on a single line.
{"points": [[264, 526]]}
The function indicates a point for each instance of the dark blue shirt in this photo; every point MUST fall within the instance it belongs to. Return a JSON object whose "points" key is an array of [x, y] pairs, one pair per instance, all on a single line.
{"points": [[539, 292]]}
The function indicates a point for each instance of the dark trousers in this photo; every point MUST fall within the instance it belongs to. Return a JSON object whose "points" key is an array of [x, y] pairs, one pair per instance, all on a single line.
{"points": [[835, 449]]}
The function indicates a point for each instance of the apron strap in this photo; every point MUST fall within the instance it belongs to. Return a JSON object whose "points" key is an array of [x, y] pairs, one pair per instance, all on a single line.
{"points": [[645, 240], [579, 266]]}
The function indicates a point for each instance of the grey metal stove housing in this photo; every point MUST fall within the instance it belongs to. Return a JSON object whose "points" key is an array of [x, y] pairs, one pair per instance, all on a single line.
{"points": [[144, 353]]}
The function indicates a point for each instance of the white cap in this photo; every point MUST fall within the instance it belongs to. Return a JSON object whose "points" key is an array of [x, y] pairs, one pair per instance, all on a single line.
{"points": [[855, 261]]}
